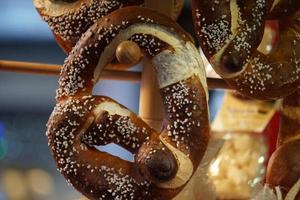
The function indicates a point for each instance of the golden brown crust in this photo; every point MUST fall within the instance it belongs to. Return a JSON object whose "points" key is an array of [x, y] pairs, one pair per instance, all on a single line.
{"points": [[230, 33], [165, 161], [74, 18]]}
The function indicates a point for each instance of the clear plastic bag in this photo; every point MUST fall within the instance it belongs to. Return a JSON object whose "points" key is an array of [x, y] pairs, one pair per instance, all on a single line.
{"points": [[266, 193], [239, 165], [241, 162]]}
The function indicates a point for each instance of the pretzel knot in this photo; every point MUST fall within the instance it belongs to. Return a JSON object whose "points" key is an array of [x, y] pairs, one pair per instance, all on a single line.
{"points": [[165, 160], [230, 32]]}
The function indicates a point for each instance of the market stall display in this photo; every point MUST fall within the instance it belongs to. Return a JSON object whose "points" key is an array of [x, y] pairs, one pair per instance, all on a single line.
{"points": [[253, 46]]}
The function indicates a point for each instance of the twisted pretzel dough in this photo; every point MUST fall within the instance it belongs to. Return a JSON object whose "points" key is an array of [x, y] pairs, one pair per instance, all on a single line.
{"points": [[69, 19], [230, 32], [164, 161], [284, 165]]}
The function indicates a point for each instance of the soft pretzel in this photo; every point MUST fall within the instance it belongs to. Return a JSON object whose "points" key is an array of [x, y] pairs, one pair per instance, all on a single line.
{"points": [[69, 19], [230, 32], [284, 166], [165, 161]]}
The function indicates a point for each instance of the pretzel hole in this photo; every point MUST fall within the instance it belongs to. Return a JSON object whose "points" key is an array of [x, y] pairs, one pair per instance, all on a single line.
{"points": [[118, 90], [116, 150]]}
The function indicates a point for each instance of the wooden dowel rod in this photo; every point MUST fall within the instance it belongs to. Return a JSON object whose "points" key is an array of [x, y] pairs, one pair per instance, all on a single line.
{"points": [[109, 74], [54, 70], [29, 67], [217, 83]]}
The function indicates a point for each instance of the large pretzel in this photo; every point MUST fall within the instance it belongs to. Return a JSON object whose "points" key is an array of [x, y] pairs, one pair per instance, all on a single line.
{"points": [[165, 161], [284, 165], [69, 19], [230, 32]]}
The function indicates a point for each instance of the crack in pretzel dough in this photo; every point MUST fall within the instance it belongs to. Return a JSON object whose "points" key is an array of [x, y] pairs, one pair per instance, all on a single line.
{"points": [[184, 55], [235, 16], [59, 7]]}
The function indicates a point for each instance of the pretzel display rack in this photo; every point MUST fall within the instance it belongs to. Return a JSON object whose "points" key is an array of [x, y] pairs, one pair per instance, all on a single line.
{"points": [[149, 92]]}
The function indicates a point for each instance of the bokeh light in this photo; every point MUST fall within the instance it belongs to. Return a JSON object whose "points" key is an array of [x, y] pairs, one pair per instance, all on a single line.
{"points": [[14, 184], [3, 148], [1, 130], [40, 182]]}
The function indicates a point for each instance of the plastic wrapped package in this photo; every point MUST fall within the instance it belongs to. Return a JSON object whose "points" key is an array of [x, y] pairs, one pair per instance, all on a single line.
{"points": [[267, 193], [240, 165]]}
